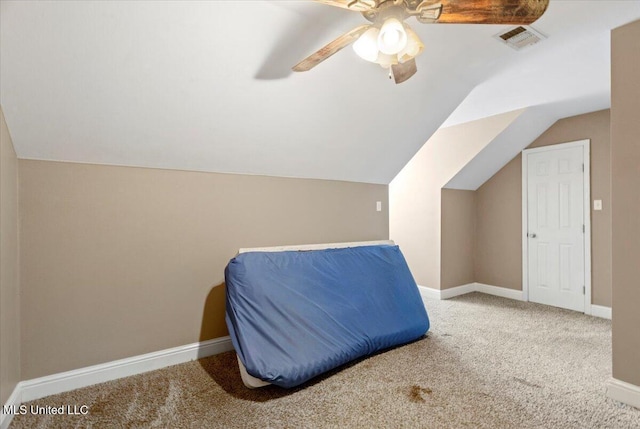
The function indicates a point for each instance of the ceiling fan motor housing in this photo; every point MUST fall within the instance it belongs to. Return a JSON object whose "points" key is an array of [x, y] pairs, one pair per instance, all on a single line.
{"points": [[387, 9]]}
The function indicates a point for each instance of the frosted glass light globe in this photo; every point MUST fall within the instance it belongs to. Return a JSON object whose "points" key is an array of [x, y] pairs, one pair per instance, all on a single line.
{"points": [[367, 45], [392, 37]]}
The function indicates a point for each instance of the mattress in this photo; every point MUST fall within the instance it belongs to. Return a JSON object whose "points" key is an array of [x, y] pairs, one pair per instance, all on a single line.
{"points": [[293, 315]]}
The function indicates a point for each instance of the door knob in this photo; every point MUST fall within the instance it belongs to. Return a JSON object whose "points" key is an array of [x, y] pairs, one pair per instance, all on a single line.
{"points": [[533, 235]]}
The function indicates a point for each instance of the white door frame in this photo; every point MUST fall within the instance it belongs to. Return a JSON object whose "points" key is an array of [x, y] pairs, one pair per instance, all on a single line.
{"points": [[585, 144]]}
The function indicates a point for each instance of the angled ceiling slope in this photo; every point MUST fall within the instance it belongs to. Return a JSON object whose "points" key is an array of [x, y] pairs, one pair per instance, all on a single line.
{"points": [[519, 134], [162, 84], [524, 129]]}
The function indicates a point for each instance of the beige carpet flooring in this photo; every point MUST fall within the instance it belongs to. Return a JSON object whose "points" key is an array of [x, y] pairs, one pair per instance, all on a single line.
{"points": [[487, 362]]}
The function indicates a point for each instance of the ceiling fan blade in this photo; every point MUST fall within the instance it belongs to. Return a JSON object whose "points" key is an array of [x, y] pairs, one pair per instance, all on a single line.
{"points": [[521, 12], [403, 71], [357, 5], [325, 52]]}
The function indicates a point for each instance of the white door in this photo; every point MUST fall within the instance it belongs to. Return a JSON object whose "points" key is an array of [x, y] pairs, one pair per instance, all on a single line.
{"points": [[556, 227]]}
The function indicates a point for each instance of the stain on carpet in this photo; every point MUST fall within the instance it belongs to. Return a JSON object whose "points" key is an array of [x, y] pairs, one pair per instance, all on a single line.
{"points": [[416, 393], [526, 383]]}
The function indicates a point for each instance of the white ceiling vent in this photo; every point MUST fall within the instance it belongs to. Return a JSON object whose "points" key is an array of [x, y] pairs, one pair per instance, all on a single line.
{"points": [[520, 37]]}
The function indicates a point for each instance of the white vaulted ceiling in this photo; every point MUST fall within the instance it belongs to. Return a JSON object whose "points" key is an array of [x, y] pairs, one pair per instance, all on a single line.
{"points": [[207, 86]]}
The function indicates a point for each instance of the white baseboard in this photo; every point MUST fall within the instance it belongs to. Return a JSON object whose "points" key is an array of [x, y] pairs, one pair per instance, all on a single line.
{"points": [[500, 291], [601, 311], [626, 393], [457, 291], [430, 293], [427, 292], [14, 401], [65, 381]]}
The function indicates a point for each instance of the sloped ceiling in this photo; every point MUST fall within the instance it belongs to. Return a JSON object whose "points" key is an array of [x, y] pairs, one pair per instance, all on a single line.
{"points": [[528, 125], [206, 86]]}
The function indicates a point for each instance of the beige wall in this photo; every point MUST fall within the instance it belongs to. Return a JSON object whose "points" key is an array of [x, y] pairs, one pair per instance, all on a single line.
{"points": [[498, 256], [9, 281], [458, 237], [415, 197], [625, 162], [499, 201], [122, 261]]}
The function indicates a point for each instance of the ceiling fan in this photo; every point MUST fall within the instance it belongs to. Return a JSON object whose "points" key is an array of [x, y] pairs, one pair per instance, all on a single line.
{"points": [[391, 43]]}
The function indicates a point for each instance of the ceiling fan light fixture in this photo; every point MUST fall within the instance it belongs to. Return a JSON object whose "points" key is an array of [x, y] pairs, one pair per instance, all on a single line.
{"points": [[391, 43], [392, 37], [367, 45], [414, 46]]}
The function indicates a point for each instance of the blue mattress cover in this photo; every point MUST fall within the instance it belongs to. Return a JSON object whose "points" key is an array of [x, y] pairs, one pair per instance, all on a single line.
{"points": [[293, 315]]}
